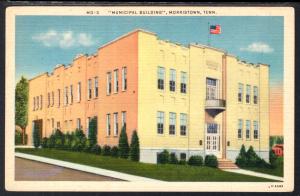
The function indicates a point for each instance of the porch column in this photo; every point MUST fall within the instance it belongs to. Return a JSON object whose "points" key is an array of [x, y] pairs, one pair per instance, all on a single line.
{"points": [[224, 126]]}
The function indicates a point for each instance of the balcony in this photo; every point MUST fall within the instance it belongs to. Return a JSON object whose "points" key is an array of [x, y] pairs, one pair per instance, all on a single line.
{"points": [[215, 104]]}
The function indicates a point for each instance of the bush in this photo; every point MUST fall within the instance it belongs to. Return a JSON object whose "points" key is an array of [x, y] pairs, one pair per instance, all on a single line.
{"points": [[241, 159], [76, 145], [106, 150], [87, 146], [78, 134], [51, 141], [92, 136], [18, 138], [252, 158], [96, 149], [272, 158], [123, 144], [135, 147], [173, 158], [114, 151], [36, 136], [195, 160], [68, 141], [44, 143], [163, 157], [182, 162], [211, 161]]}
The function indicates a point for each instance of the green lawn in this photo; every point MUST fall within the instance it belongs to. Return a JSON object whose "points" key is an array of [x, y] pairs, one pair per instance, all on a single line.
{"points": [[166, 172], [278, 171]]}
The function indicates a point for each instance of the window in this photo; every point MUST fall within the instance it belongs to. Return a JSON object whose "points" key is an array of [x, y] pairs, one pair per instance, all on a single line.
{"points": [[34, 103], [116, 125], [37, 102], [89, 89], [79, 92], [66, 125], [240, 129], [41, 102], [78, 123], [255, 94], [172, 123], [183, 82], [52, 123], [88, 120], [58, 99], [48, 100], [108, 124], [160, 78], [52, 99], [248, 89], [124, 78], [123, 119], [58, 124], [240, 93], [160, 122], [211, 88], [255, 131], [96, 87], [183, 122], [248, 129], [183, 156], [116, 81], [66, 96], [108, 86], [172, 80], [71, 94]]}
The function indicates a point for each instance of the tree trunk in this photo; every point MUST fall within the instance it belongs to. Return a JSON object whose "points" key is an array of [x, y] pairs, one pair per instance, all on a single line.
{"points": [[23, 135]]}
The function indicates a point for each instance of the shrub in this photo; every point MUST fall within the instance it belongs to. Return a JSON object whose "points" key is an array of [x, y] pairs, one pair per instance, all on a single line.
{"points": [[18, 138], [211, 161], [92, 136], [87, 146], [36, 136], [272, 158], [79, 134], [68, 141], [51, 141], [114, 151], [252, 158], [182, 162], [106, 150], [195, 160], [163, 157], [241, 159], [96, 149], [76, 145], [44, 142], [173, 158], [59, 143], [135, 147], [123, 144]]}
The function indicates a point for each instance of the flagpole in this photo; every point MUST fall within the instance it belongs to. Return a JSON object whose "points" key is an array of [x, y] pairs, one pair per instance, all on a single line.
{"points": [[208, 34]]}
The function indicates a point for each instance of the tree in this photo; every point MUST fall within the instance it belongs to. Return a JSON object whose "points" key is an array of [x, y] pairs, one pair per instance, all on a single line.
{"points": [[135, 147], [92, 136], [123, 144], [21, 105]]}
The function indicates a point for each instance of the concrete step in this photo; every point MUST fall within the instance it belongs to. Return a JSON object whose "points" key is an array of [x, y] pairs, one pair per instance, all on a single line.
{"points": [[226, 164]]}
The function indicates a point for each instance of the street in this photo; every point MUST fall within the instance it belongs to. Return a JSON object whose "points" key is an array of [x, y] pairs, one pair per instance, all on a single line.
{"points": [[27, 170]]}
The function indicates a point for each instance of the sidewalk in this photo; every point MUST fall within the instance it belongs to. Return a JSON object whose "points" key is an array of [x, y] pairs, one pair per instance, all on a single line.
{"points": [[85, 168], [252, 173]]}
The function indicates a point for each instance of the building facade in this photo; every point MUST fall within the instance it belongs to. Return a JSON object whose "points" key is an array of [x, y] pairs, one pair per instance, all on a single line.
{"points": [[190, 100]]}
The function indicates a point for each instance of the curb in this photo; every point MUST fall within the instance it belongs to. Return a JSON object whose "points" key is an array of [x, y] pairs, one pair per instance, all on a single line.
{"points": [[85, 168]]}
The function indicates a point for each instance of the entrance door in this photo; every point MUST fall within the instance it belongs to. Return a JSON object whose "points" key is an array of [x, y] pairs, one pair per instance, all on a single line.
{"points": [[213, 139], [39, 125]]}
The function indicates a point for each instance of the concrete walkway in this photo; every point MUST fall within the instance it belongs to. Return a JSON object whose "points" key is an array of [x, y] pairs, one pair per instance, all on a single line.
{"points": [[85, 168], [252, 173]]}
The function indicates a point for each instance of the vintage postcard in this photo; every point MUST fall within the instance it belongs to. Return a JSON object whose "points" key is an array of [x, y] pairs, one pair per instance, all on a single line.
{"points": [[149, 99]]}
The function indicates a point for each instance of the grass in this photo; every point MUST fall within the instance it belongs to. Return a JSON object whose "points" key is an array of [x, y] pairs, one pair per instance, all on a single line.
{"points": [[167, 172], [278, 171]]}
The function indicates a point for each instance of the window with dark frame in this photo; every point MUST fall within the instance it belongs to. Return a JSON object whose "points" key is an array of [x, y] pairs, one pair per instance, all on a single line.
{"points": [[160, 122], [183, 82], [161, 78], [172, 80]]}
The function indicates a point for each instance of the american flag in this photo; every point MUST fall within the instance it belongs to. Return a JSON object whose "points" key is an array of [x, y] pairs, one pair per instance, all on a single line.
{"points": [[215, 29]]}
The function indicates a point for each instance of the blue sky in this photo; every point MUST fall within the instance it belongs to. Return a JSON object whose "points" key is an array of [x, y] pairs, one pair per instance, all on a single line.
{"points": [[44, 41]]}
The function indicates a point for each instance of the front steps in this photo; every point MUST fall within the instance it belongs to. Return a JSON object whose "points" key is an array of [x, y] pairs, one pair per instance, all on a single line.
{"points": [[226, 164]]}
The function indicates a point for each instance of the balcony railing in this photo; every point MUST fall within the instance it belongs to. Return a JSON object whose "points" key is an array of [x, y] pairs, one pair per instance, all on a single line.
{"points": [[215, 104]]}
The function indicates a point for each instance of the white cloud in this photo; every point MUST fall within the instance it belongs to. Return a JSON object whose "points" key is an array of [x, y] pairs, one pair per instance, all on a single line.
{"points": [[259, 47], [65, 39]]}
